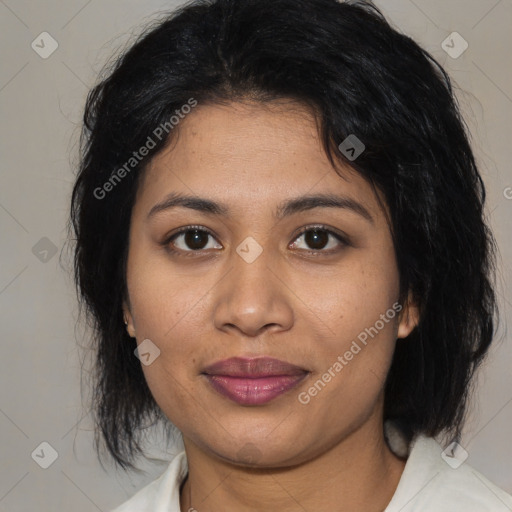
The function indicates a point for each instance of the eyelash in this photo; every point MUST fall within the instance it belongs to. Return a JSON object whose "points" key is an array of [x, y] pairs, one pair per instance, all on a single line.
{"points": [[194, 253]]}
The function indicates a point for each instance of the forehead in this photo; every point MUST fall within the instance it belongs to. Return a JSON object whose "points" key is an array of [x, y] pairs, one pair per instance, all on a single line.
{"points": [[249, 155]]}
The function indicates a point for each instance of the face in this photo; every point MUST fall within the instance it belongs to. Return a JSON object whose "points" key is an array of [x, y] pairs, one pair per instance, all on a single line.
{"points": [[258, 273]]}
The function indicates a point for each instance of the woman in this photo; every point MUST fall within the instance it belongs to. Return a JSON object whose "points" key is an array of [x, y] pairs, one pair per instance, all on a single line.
{"points": [[281, 243]]}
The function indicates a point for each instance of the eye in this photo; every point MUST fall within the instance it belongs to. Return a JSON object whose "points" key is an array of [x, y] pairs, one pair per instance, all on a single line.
{"points": [[194, 239], [190, 239], [320, 239]]}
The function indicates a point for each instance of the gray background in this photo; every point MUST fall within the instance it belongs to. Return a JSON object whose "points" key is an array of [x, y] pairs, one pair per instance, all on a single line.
{"points": [[41, 101]]}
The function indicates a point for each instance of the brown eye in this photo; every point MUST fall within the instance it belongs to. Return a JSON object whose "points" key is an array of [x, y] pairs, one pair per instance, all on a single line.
{"points": [[316, 239], [319, 239], [191, 239]]}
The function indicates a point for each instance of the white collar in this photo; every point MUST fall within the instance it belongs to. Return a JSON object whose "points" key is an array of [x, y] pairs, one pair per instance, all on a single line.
{"points": [[427, 484]]}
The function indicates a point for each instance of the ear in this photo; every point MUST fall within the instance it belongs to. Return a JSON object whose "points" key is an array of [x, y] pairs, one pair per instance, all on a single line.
{"points": [[128, 320], [409, 318]]}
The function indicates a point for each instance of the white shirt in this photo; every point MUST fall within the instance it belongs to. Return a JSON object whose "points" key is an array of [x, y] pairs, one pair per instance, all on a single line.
{"points": [[428, 484]]}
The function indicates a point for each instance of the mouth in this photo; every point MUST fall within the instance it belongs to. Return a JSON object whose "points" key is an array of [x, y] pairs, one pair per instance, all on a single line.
{"points": [[253, 381]]}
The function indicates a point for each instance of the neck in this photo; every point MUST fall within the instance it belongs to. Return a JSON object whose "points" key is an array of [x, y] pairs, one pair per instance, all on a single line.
{"points": [[359, 473]]}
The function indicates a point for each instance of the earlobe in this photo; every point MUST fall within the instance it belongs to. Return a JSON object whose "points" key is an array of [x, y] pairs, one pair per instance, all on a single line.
{"points": [[409, 318], [128, 321]]}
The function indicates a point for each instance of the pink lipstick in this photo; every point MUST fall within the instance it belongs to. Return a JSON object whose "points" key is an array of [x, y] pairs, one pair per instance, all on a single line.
{"points": [[253, 381]]}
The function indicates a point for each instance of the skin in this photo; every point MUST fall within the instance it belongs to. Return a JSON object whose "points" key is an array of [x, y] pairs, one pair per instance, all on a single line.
{"points": [[304, 308]]}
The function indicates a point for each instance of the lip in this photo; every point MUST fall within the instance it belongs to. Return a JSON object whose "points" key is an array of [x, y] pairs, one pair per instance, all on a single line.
{"points": [[253, 381]]}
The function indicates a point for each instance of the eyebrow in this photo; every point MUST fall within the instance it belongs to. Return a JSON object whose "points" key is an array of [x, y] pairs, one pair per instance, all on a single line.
{"points": [[285, 209]]}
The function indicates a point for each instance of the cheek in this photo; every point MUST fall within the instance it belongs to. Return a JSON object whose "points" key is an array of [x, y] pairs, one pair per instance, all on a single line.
{"points": [[167, 302], [167, 309], [348, 302], [357, 315], [171, 320], [352, 365]]}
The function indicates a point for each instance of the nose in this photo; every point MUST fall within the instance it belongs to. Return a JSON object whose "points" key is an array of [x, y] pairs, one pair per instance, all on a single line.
{"points": [[253, 297]]}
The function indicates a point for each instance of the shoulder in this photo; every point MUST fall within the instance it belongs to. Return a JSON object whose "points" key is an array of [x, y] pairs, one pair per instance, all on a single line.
{"points": [[162, 494], [432, 480]]}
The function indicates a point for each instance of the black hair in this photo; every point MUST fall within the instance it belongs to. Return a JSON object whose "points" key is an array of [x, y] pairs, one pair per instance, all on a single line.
{"points": [[363, 78]]}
